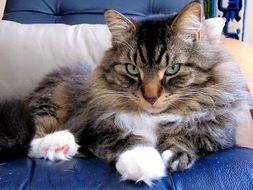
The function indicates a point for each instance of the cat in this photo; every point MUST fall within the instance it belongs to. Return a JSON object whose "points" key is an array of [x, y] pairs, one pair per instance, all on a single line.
{"points": [[161, 97]]}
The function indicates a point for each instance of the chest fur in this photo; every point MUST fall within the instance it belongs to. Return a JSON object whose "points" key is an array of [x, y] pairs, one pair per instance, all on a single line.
{"points": [[147, 125], [141, 124]]}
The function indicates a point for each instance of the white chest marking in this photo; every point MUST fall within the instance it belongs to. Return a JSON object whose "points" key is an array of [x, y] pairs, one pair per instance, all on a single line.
{"points": [[141, 124], [146, 125], [138, 124]]}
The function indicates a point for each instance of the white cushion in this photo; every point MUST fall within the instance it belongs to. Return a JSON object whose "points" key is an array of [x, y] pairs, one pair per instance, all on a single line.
{"points": [[28, 52], [213, 29]]}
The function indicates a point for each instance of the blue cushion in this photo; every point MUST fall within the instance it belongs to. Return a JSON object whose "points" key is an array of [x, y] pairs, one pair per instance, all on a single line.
{"points": [[84, 11], [229, 169]]}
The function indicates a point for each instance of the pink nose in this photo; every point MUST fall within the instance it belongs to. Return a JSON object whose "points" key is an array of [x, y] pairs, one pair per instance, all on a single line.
{"points": [[151, 100]]}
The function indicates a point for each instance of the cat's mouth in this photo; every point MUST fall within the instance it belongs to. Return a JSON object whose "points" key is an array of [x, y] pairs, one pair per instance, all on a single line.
{"points": [[155, 108]]}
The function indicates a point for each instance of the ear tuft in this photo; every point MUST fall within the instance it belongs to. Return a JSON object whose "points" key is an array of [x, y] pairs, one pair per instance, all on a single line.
{"points": [[119, 25], [188, 21]]}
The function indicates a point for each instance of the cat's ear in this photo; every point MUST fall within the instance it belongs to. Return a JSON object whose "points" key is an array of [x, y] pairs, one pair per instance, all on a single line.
{"points": [[188, 22], [119, 25]]}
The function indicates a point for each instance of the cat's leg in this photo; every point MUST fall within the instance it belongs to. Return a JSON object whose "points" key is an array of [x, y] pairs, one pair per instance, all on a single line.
{"points": [[51, 141], [135, 158], [178, 152]]}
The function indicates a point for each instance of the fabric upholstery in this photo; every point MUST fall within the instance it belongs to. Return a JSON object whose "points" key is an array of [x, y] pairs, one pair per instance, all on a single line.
{"points": [[230, 169], [84, 11], [25, 61]]}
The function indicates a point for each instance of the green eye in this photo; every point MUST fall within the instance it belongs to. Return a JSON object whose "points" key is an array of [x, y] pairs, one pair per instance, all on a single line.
{"points": [[172, 70], [132, 70]]}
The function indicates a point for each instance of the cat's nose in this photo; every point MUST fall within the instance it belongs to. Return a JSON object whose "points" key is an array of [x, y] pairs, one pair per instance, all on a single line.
{"points": [[151, 100]]}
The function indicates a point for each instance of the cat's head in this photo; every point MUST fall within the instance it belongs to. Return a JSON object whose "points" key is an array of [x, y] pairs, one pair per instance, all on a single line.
{"points": [[157, 63]]}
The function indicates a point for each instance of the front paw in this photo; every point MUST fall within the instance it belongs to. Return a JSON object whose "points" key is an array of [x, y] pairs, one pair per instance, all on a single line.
{"points": [[178, 160], [141, 164], [59, 145]]}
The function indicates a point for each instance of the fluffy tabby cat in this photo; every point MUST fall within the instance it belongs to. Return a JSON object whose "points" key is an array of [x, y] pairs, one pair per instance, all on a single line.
{"points": [[162, 96]]}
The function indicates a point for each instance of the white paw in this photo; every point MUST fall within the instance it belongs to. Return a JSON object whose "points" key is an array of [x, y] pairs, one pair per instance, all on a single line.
{"points": [[59, 145], [141, 164]]}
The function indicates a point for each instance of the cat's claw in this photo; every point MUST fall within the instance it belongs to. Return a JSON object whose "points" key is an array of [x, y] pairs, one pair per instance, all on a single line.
{"points": [[141, 164], [59, 145]]}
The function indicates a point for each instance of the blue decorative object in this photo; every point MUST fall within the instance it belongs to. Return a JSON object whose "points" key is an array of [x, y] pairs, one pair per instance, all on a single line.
{"points": [[234, 12]]}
